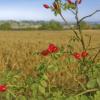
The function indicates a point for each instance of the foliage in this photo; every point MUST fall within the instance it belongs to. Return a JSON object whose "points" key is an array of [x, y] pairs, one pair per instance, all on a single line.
{"points": [[52, 25], [5, 26], [85, 25]]}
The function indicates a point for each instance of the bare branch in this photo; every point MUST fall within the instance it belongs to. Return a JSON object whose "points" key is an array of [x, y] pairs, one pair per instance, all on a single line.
{"points": [[89, 15], [89, 42], [70, 26], [96, 55], [78, 26], [72, 11], [94, 48]]}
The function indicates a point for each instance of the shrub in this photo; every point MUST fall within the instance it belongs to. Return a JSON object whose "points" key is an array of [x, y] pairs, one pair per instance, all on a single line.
{"points": [[5, 26]]}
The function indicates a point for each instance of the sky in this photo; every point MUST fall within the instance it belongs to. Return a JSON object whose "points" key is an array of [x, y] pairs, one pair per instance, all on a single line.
{"points": [[34, 10]]}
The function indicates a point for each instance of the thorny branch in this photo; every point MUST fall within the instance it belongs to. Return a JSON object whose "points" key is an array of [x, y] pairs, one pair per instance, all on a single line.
{"points": [[88, 15]]}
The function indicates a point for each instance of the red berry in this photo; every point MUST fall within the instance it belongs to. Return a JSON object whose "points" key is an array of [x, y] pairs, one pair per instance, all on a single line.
{"points": [[77, 55], [69, 1], [84, 54], [45, 52], [3, 88], [79, 1], [46, 6], [52, 48]]}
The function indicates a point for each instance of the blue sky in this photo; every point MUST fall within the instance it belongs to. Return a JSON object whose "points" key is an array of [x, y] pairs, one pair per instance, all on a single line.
{"points": [[33, 10]]}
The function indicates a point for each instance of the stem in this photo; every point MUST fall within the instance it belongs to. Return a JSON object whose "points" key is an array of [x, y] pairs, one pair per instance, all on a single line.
{"points": [[49, 87], [96, 55], [89, 15], [69, 26], [88, 91], [79, 28], [72, 11], [12, 93], [94, 48], [89, 42]]}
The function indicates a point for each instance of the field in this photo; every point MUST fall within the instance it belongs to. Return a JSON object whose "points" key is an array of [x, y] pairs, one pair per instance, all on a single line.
{"points": [[17, 48]]}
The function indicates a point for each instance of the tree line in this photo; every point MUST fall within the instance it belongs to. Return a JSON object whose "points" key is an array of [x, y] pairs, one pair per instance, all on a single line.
{"points": [[50, 25]]}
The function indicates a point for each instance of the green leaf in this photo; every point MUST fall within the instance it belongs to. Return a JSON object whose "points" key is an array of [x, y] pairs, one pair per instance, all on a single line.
{"points": [[43, 83], [66, 6], [72, 6], [34, 86], [42, 89], [92, 83], [35, 53], [52, 68], [71, 98], [34, 89], [83, 97], [40, 98], [45, 77], [98, 81], [8, 96], [22, 98], [97, 95]]}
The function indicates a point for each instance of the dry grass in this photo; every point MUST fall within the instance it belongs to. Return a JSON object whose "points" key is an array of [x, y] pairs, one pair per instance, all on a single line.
{"points": [[16, 47]]}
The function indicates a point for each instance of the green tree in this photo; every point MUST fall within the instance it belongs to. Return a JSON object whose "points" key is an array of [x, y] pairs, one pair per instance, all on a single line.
{"points": [[97, 26], [52, 25], [5, 26], [85, 25]]}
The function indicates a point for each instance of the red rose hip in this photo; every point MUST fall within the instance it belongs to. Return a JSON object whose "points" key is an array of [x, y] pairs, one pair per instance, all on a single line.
{"points": [[84, 54], [45, 52], [46, 6], [69, 1], [52, 48], [77, 55], [3, 88], [79, 1]]}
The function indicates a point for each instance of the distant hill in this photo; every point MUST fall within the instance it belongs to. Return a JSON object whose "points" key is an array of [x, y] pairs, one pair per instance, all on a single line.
{"points": [[31, 25]]}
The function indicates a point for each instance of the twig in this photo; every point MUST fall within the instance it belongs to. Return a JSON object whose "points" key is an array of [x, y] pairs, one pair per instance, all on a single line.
{"points": [[88, 91], [94, 48], [78, 26], [96, 55], [88, 15], [89, 42], [72, 11], [69, 26]]}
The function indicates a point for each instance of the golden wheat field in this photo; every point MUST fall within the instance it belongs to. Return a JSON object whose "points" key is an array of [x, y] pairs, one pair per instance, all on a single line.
{"points": [[16, 47]]}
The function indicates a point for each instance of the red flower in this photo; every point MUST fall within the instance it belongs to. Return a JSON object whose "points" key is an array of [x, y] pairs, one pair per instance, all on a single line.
{"points": [[45, 52], [46, 6], [3, 88], [69, 1], [84, 54], [52, 48], [79, 1], [77, 55]]}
